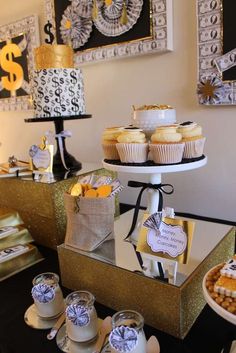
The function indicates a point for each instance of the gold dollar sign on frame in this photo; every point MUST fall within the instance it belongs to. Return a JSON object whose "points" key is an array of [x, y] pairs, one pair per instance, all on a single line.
{"points": [[14, 80]]}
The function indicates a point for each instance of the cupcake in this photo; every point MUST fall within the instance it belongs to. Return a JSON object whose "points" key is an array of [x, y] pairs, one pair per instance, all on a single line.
{"points": [[132, 146], [166, 145], [109, 141], [194, 141]]}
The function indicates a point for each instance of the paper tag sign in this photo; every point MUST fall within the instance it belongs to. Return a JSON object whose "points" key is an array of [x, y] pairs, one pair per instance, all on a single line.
{"points": [[169, 239], [41, 158]]}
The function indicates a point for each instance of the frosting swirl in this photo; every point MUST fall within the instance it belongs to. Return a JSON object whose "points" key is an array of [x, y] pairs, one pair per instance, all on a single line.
{"points": [[166, 134], [110, 134], [190, 130], [132, 135]]}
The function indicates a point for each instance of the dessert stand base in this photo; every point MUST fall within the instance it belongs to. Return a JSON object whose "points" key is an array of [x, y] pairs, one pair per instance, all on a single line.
{"points": [[69, 162], [33, 320], [67, 345], [155, 298]]}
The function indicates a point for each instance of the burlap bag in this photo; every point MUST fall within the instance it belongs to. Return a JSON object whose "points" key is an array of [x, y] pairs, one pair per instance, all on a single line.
{"points": [[90, 221]]}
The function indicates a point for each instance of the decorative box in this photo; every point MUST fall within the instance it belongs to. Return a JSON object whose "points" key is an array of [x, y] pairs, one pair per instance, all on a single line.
{"points": [[170, 308], [41, 205]]}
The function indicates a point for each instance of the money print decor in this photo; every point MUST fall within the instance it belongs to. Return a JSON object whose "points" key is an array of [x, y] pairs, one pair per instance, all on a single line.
{"points": [[58, 92]]}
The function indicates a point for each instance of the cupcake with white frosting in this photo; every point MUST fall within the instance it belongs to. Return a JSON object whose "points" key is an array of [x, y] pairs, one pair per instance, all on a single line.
{"points": [[166, 145], [109, 141], [132, 146], [194, 141]]}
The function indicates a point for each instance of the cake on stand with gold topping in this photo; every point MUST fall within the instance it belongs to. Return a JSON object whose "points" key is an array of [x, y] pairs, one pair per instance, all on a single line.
{"points": [[58, 95]]}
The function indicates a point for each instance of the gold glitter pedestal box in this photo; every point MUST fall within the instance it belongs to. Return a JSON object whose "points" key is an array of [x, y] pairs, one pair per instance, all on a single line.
{"points": [[169, 308], [41, 205]]}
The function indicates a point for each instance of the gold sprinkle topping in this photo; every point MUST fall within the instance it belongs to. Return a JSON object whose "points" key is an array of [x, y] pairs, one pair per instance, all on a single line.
{"points": [[153, 107]]}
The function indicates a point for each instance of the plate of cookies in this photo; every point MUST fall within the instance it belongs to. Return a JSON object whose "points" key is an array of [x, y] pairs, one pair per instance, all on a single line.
{"points": [[219, 289]]}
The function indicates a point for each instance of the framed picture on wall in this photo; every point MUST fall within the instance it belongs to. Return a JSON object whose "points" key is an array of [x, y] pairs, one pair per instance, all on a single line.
{"points": [[216, 52], [107, 29], [17, 43]]}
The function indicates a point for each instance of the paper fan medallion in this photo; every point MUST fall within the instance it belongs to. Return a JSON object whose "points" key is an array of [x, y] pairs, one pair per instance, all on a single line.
{"points": [[118, 17], [75, 30]]}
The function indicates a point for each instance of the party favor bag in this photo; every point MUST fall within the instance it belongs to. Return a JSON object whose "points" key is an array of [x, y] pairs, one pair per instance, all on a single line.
{"points": [[90, 221]]}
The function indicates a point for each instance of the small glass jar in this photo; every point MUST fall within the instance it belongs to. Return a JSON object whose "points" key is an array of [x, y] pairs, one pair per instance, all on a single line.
{"points": [[47, 295], [127, 333], [81, 316]]}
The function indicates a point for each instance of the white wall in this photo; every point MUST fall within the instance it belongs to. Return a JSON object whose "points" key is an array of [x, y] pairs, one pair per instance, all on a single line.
{"points": [[112, 87]]}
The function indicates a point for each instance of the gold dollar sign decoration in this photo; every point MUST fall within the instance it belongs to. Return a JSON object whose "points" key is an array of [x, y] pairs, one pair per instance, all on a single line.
{"points": [[14, 80]]}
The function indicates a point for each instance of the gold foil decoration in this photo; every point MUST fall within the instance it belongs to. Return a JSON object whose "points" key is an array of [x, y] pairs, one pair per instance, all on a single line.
{"points": [[22, 236], [208, 90], [188, 229], [53, 56], [68, 24], [20, 262], [124, 17], [153, 107], [94, 10], [108, 2], [13, 81], [10, 219]]}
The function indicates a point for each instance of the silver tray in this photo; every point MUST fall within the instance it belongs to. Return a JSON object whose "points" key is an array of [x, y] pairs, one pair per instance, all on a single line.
{"points": [[33, 320]]}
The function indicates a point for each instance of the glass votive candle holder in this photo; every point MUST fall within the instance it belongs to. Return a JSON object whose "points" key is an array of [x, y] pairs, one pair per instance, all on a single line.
{"points": [[81, 316], [47, 295], [127, 333]]}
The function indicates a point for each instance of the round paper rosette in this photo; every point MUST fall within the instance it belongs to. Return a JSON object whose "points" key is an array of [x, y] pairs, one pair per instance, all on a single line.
{"points": [[83, 7], [123, 338], [78, 315], [75, 30], [43, 293], [109, 18]]}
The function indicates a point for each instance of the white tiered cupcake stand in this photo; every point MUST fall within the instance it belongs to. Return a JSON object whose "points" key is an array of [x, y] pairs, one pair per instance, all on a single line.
{"points": [[155, 177]]}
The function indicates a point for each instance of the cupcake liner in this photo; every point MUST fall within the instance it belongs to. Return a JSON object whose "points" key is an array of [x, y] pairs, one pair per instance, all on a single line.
{"points": [[132, 152], [167, 153], [110, 151], [194, 149]]}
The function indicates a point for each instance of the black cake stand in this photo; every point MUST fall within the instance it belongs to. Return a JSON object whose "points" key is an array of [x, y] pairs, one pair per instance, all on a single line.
{"points": [[71, 163]]}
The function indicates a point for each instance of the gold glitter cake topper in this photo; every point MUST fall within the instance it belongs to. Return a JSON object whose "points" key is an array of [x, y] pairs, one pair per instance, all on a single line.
{"points": [[153, 107], [49, 56]]}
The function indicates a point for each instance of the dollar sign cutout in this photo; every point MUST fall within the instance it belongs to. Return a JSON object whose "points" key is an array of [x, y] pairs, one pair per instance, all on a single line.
{"points": [[14, 80], [47, 30]]}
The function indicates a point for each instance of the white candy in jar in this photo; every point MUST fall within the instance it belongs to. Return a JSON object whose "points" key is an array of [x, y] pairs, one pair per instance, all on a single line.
{"points": [[81, 316], [127, 333], [47, 295]]}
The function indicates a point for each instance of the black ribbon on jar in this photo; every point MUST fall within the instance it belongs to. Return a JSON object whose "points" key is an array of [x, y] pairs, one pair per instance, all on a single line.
{"points": [[162, 189]]}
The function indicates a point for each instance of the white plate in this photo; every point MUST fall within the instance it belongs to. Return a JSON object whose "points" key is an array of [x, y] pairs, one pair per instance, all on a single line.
{"points": [[67, 345], [33, 320], [216, 307]]}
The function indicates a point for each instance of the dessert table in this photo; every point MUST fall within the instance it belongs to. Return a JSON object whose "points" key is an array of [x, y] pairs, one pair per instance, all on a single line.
{"points": [[209, 334]]}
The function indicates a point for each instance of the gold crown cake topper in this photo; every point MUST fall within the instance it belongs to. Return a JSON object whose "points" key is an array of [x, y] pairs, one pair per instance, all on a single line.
{"points": [[49, 56]]}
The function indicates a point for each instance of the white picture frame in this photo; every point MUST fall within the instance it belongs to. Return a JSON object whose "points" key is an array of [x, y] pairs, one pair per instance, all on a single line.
{"points": [[211, 89], [160, 42], [29, 28]]}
